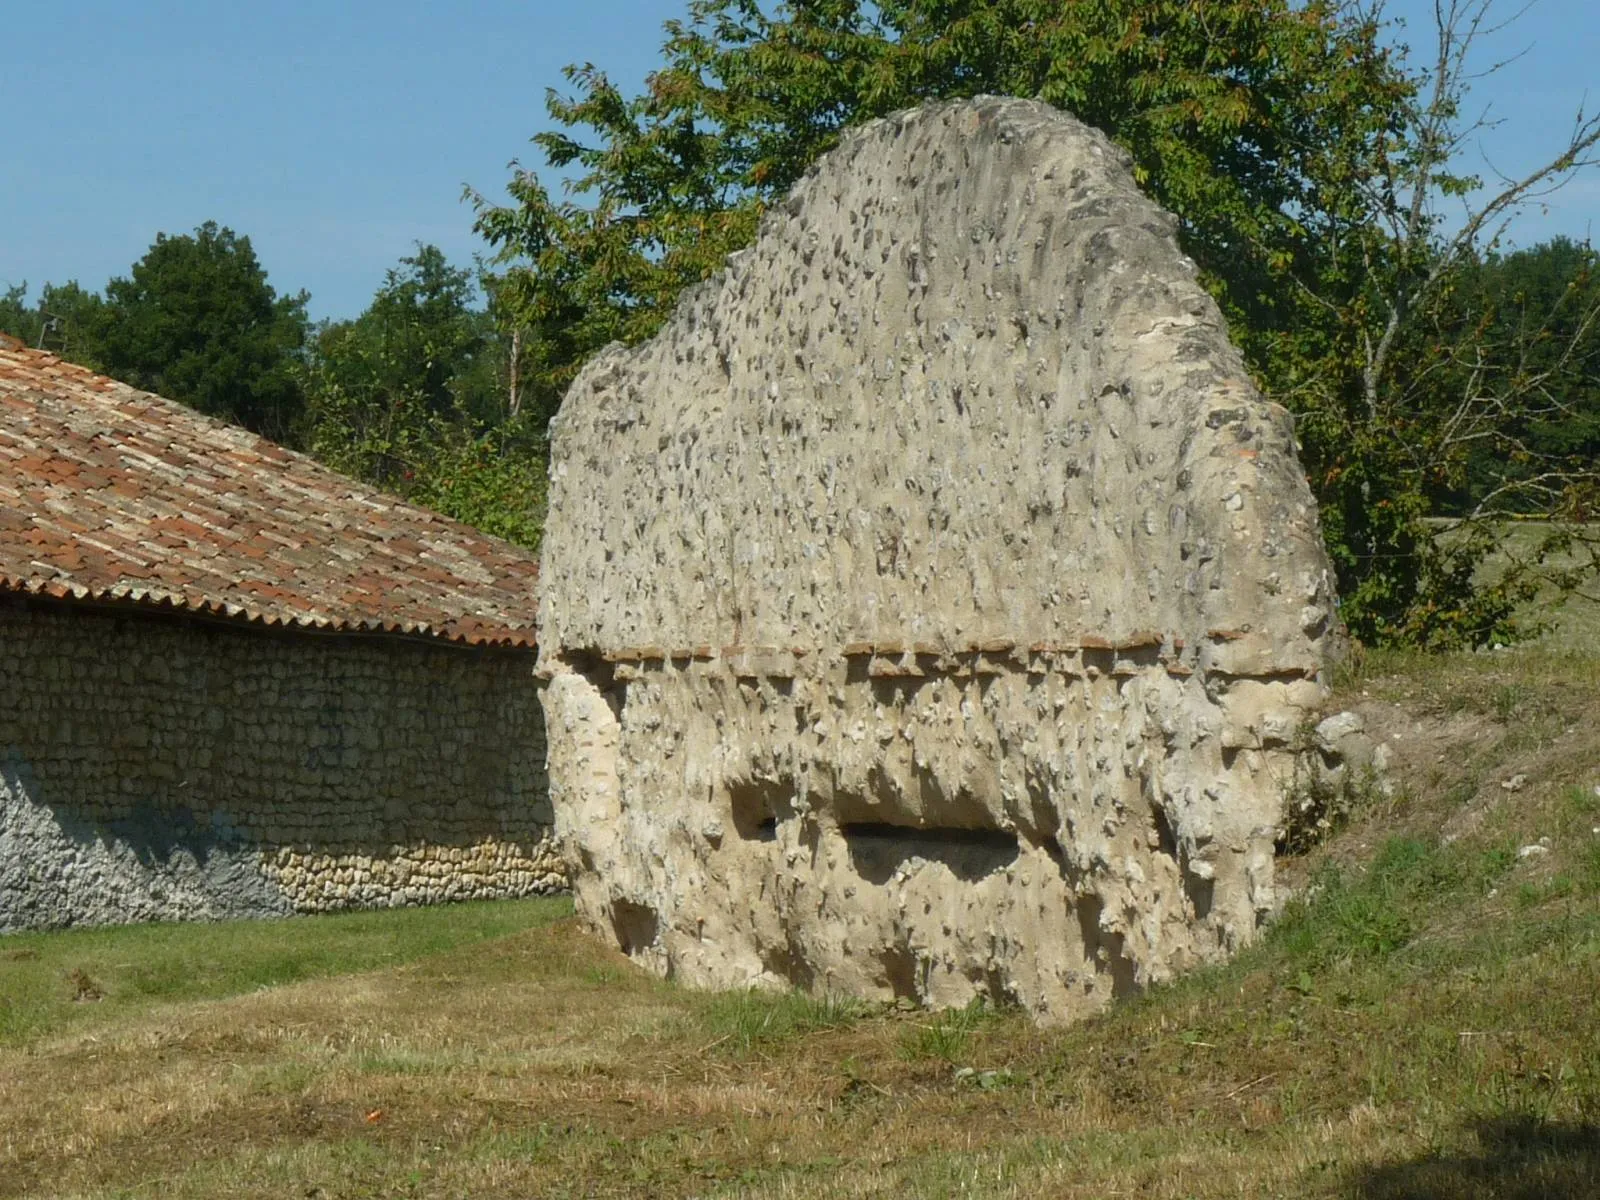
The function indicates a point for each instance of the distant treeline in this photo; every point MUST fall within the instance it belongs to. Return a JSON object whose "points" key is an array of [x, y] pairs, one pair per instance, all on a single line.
{"points": [[1532, 318]]}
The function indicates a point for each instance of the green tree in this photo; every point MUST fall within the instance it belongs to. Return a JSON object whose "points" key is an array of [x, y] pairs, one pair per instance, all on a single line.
{"points": [[421, 331], [1302, 156], [197, 321], [401, 361], [1539, 314], [17, 318], [73, 321], [1229, 108], [409, 396], [1403, 378], [66, 320]]}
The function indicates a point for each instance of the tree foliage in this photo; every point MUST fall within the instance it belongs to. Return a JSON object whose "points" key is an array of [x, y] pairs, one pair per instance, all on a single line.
{"points": [[409, 396], [17, 318], [196, 321], [410, 349], [1304, 158], [1535, 313], [66, 320], [1234, 112]]}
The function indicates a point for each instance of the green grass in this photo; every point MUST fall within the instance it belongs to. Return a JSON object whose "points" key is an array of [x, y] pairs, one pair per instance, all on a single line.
{"points": [[948, 1036], [51, 982], [1373, 912], [746, 1019]]}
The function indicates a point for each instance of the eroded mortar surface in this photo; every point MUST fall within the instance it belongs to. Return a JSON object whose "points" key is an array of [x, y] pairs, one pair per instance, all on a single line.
{"points": [[928, 609]]}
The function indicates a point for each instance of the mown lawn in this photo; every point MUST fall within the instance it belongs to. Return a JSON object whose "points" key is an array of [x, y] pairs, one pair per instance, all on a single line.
{"points": [[1569, 623], [1421, 1022]]}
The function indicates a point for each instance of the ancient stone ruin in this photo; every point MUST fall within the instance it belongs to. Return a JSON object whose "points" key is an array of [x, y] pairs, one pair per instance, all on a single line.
{"points": [[929, 609]]}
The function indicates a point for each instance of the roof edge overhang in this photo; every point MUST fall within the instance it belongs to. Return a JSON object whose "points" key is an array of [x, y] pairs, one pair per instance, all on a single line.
{"points": [[144, 600]]}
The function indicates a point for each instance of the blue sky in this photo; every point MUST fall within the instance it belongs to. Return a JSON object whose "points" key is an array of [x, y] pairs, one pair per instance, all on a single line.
{"points": [[337, 135]]}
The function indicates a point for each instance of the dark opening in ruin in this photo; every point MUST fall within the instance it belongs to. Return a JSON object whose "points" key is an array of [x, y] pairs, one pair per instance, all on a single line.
{"points": [[1052, 846], [1105, 949], [900, 972], [789, 962], [635, 925], [1166, 839], [757, 805], [877, 850], [1142, 657], [1100, 660]]}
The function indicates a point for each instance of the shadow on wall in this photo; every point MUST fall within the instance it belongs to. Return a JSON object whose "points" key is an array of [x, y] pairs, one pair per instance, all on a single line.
{"points": [[1517, 1158], [57, 869]]}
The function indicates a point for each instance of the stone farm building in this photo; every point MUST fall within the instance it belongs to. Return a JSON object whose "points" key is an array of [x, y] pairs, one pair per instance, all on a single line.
{"points": [[237, 683]]}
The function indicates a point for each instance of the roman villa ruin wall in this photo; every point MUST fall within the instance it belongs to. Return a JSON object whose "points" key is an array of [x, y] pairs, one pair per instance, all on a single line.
{"points": [[929, 608]]}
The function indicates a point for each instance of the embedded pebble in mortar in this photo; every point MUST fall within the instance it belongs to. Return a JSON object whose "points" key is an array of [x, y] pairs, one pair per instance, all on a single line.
{"points": [[928, 610]]}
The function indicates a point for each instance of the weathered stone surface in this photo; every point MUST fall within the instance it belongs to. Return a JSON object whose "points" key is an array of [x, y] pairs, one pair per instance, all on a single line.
{"points": [[929, 609], [165, 768]]}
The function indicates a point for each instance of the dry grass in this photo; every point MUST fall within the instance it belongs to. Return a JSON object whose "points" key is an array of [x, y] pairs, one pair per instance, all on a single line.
{"points": [[1420, 1023]]}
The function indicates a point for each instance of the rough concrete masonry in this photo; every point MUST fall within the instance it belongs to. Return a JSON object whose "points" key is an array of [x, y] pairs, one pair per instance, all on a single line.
{"points": [[928, 609]]}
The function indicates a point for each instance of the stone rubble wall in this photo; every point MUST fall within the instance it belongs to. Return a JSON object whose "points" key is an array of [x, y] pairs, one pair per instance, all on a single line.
{"points": [[161, 768], [928, 610]]}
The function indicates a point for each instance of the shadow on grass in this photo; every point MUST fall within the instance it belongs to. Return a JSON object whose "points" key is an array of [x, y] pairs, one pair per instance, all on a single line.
{"points": [[1517, 1158]]}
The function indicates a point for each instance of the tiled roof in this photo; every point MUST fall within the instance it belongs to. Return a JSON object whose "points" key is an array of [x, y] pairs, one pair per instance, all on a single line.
{"points": [[111, 494]]}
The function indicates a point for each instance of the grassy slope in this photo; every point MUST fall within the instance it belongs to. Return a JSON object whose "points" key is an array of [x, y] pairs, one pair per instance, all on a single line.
{"points": [[1420, 1023]]}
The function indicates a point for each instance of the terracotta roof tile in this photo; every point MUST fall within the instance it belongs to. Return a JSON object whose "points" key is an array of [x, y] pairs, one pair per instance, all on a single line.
{"points": [[109, 493]]}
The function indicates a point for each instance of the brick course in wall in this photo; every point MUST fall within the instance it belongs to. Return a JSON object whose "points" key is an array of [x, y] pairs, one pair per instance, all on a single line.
{"points": [[166, 767]]}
